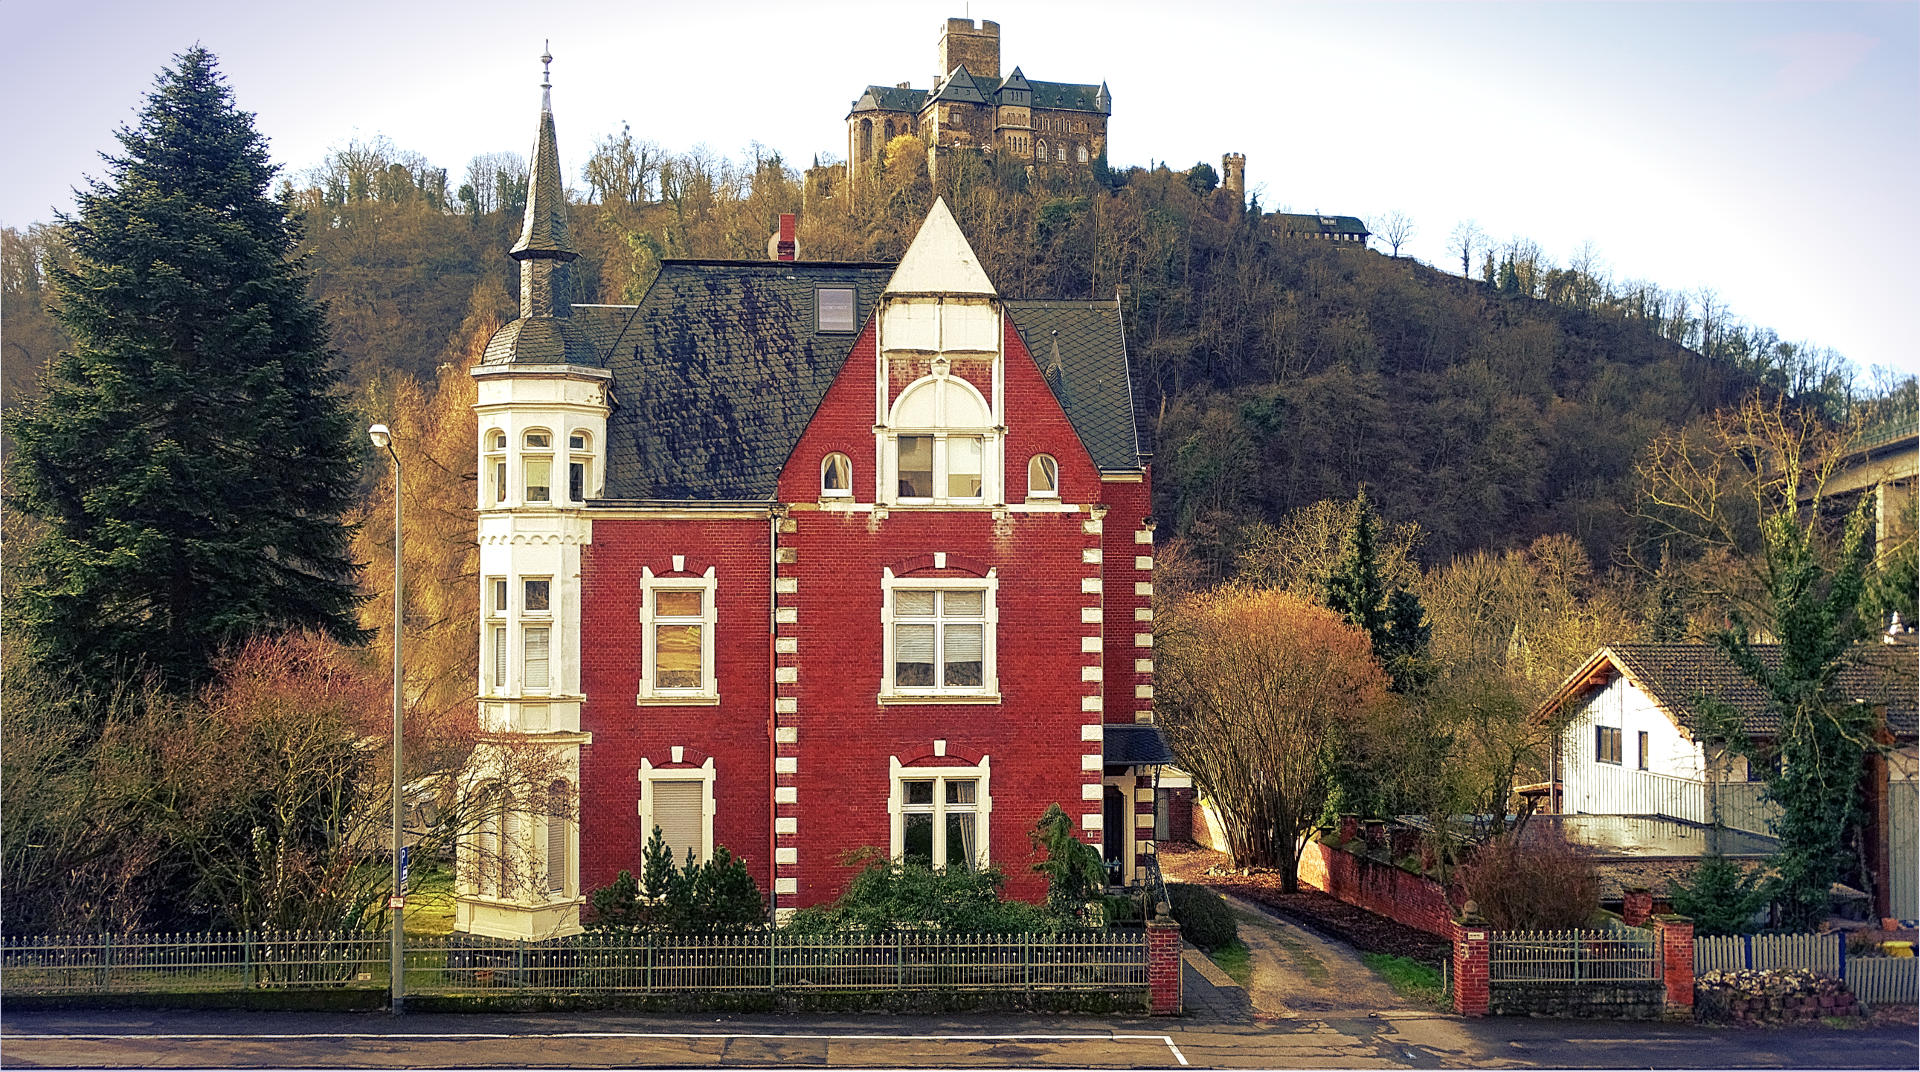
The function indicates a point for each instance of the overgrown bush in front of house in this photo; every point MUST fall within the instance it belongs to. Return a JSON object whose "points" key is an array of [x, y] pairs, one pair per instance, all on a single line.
{"points": [[1721, 896], [1075, 873], [689, 898], [1539, 884], [1204, 918], [885, 895]]}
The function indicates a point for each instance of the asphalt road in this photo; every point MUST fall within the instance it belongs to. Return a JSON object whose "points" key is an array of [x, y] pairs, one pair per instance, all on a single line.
{"points": [[143, 1039]]}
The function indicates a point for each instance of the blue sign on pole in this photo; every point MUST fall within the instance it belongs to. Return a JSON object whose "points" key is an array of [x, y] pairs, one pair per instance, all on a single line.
{"points": [[405, 851]]}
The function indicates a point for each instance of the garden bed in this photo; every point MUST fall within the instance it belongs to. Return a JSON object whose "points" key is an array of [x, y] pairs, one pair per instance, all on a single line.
{"points": [[1310, 908]]}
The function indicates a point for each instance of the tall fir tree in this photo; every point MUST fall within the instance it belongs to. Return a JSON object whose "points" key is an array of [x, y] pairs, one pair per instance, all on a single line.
{"points": [[191, 458], [1390, 614]]}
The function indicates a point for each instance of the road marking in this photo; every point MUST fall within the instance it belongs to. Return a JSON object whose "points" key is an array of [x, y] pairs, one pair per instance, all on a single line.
{"points": [[486, 1035]]}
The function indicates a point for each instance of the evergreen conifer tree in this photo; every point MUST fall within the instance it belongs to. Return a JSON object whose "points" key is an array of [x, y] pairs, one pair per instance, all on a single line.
{"points": [[1390, 614], [190, 457]]}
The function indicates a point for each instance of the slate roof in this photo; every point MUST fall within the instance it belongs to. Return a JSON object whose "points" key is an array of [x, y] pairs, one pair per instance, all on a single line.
{"points": [[1312, 223], [960, 86], [541, 340], [717, 373], [1082, 350], [544, 228], [890, 99], [1674, 674], [1134, 746], [1069, 96]]}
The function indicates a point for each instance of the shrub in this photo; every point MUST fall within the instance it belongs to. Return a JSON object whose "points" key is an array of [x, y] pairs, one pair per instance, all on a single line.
{"points": [[1541, 883], [887, 895], [689, 898], [1721, 896], [1205, 920], [1074, 870]]}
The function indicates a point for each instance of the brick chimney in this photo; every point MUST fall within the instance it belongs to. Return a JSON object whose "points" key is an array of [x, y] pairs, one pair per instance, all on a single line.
{"points": [[783, 246]]}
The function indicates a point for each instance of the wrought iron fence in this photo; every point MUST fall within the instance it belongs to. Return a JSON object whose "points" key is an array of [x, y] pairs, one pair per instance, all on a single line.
{"points": [[1611, 956], [765, 961]]}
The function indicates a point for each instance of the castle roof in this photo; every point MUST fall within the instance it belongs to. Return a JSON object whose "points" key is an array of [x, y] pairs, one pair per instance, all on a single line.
{"points": [[1069, 96], [1312, 223], [960, 87], [890, 99]]}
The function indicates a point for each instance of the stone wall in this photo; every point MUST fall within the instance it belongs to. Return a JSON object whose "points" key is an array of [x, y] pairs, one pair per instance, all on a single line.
{"points": [[1606, 1001]]}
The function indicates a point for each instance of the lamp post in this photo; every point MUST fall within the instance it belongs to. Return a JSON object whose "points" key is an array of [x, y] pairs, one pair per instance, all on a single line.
{"points": [[383, 440]]}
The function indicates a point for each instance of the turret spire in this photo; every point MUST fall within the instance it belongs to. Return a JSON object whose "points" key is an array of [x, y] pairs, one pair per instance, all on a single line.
{"points": [[544, 248]]}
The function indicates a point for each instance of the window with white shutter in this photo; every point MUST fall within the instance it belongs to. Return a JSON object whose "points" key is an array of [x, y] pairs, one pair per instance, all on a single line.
{"points": [[939, 637], [534, 668], [559, 797], [679, 811]]}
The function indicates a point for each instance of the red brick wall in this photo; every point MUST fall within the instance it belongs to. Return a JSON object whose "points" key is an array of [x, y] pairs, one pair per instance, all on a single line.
{"points": [[1379, 888], [734, 733]]}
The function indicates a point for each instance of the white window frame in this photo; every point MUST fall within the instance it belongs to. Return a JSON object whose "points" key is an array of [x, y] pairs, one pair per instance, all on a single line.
{"points": [[530, 453], [497, 657], [495, 447], [988, 690], [897, 809], [1051, 463], [526, 638], [988, 435], [650, 586], [836, 493], [564, 873], [704, 774], [581, 456]]}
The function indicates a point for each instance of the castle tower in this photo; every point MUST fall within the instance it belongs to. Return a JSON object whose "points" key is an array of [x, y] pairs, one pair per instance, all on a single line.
{"points": [[977, 48], [543, 422], [1233, 175]]}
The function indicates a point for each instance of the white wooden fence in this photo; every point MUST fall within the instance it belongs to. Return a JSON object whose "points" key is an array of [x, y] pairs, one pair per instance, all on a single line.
{"points": [[1871, 979], [766, 961]]}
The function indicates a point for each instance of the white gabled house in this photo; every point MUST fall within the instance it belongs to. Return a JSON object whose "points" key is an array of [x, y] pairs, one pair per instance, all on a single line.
{"points": [[1635, 745]]}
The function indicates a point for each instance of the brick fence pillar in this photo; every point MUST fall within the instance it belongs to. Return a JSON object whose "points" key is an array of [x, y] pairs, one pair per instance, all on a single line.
{"points": [[1163, 967], [1674, 934], [1636, 906], [1471, 993]]}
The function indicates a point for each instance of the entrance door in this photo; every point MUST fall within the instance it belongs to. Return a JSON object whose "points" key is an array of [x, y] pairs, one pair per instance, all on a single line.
{"points": [[1114, 836]]}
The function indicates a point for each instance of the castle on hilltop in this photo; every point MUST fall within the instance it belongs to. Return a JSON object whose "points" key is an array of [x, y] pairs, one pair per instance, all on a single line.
{"points": [[1048, 124]]}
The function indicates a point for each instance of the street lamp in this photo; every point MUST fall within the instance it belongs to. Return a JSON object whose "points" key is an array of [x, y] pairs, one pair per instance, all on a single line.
{"points": [[383, 440]]}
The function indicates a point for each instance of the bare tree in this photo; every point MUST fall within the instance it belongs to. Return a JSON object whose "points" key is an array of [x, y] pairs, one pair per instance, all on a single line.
{"points": [[1396, 229], [1467, 237], [1256, 686]]}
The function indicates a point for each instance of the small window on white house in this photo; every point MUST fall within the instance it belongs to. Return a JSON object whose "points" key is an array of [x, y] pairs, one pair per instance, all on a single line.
{"points": [[678, 618], [497, 464], [559, 805], [579, 467], [1643, 749], [836, 477], [497, 642], [496, 596], [1606, 744], [538, 467], [534, 664], [538, 595], [833, 309], [1043, 477]]}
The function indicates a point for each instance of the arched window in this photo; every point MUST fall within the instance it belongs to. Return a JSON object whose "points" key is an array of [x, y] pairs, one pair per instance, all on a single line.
{"points": [[1060, 151], [1043, 477], [866, 137], [579, 466], [942, 435], [536, 462], [497, 463], [1042, 150], [1082, 150], [559, 806], [487, 870], [836, 476]]}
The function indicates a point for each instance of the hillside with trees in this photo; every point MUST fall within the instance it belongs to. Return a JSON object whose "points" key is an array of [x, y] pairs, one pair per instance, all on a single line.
{"points": [[1273, 373]]}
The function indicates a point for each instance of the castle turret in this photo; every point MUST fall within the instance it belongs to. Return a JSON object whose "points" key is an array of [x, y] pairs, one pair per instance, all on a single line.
{"points": [[977, 48], [542, 418], [1233, 175]]}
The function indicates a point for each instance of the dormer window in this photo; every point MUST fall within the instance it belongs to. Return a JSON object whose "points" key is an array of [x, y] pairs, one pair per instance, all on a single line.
{"points": [[836, 477], [943, 446], [579, 466], [536, 461], [1043, 477]]}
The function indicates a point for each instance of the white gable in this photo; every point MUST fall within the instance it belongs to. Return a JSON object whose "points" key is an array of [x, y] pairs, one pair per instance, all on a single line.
{"points": [[940, 260]]}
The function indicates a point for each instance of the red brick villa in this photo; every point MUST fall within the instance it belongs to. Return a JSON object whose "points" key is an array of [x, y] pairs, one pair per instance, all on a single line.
{"points": [[799, 557]]}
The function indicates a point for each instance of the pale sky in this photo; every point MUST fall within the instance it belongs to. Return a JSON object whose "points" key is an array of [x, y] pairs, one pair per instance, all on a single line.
{"points": [[1769, 151]]}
